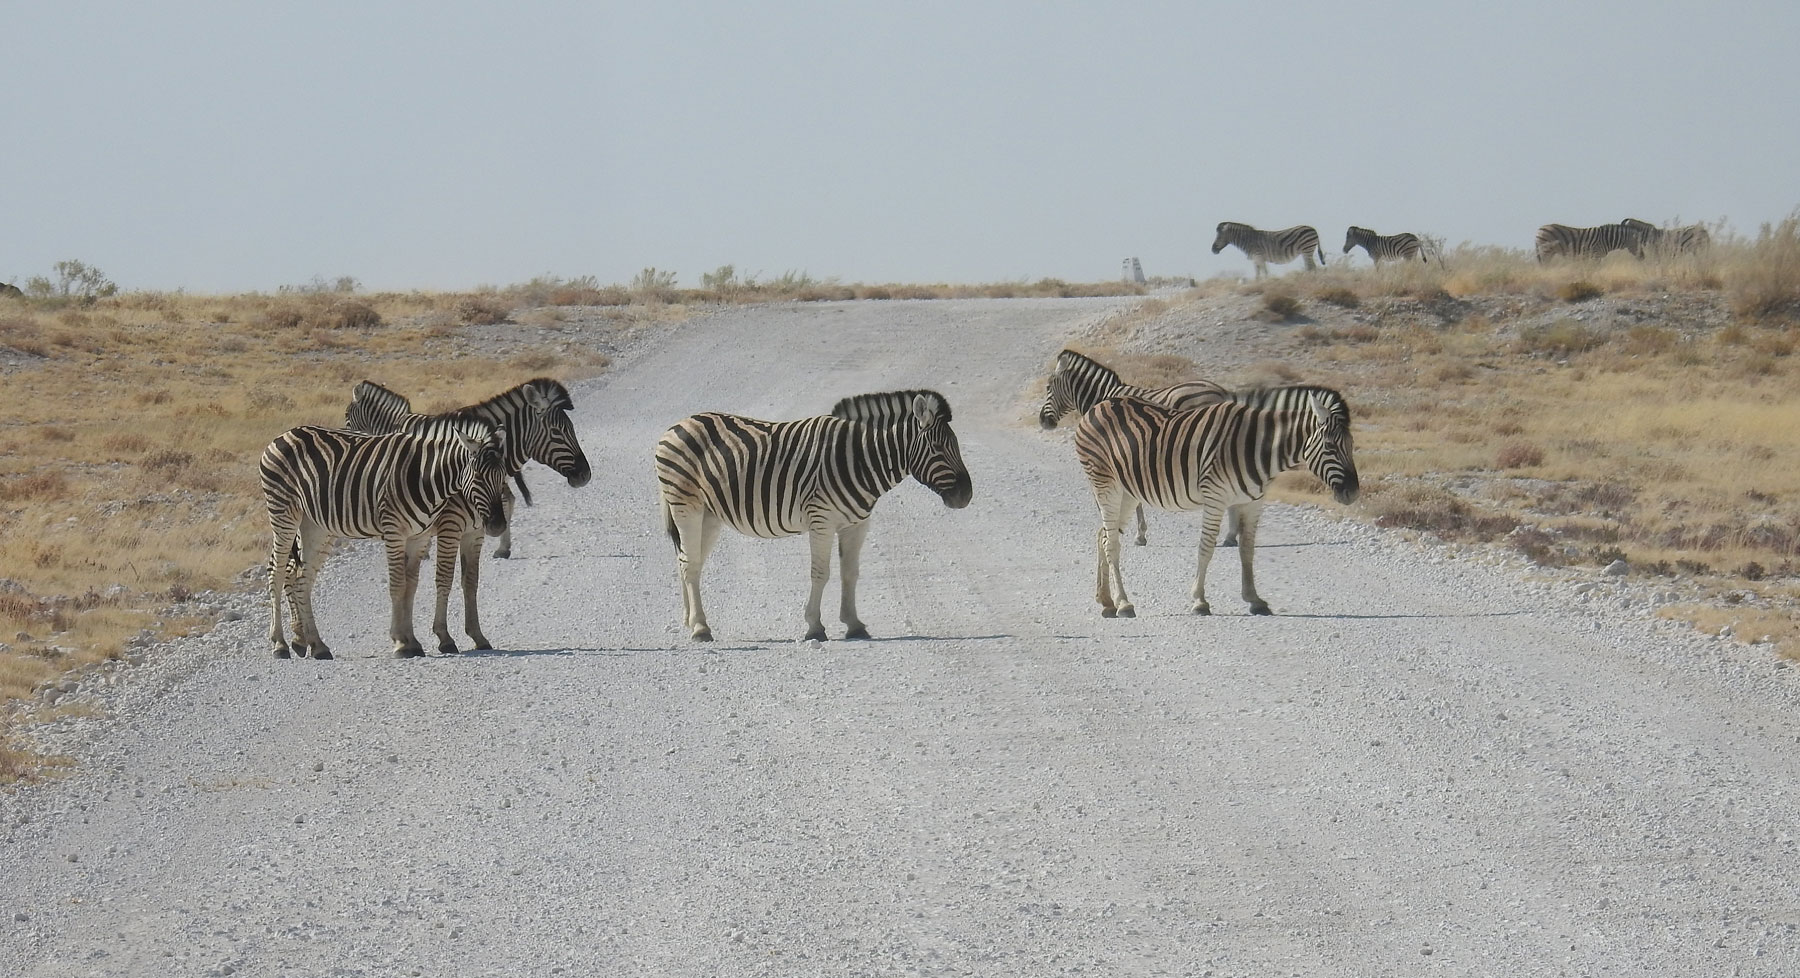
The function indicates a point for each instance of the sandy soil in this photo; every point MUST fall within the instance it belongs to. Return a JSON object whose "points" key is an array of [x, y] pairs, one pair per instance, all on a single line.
{"points": [[1422, 765]]}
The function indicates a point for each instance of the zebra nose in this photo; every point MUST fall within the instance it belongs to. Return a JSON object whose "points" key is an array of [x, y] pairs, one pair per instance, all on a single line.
{"points": [[579, 476], [958, 495], [1046, 422]]}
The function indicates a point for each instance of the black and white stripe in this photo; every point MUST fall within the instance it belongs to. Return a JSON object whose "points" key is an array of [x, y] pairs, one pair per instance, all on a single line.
{"points": [[1209, 459], [535, 417], [1560, 240], [1270, 247], [819, 476], [1404, 246], [1671, 241], [321, 483], [1079, 382]]}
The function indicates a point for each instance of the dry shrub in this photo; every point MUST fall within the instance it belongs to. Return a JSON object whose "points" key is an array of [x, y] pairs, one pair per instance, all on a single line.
{"points": [[1339, 296], [1519, 455], [126, 442], [167, 461], [1579, 290], [350, 314], [481, 310], [283, 316], [43, 485], [157, 396], [535, 362], [1765, 283], [1560, 338], [1280, 306], [53, 433], [1650, 340], [269, 399], [1427, 507]]}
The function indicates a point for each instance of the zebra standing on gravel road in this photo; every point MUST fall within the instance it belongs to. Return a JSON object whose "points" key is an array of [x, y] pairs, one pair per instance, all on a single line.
{"points": [[1079, 382], [1555, 240], [819, 476], [1404, 246], [1210, 459], [1676, 241], [535, 417], [1264, 247], [321, 483]]}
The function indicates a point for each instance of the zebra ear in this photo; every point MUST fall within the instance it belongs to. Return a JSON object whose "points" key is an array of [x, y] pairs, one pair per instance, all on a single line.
{"points": [[468, 443], [1321, 409], [923, 409], [537, 399]]}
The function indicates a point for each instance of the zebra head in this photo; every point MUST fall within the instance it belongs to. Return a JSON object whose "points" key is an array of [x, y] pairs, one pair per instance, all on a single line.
{"points": [[1358, 236], [934, 457], [547, 434], [1075, 385], [1228, 233], [375, 409], [1328, 450], [484, 475]]}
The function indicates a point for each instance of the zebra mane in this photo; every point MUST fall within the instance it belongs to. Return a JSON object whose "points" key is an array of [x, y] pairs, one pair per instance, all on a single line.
{"points": [[887, 408], [1070, 359], [554, 391], [442, 426], [1288, 398], [1234, 224]]}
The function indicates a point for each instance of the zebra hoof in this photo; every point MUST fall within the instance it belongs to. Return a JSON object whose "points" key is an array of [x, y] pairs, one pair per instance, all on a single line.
{"points": [[281, 652], [1127, 611], [502, 554], [702, 634], [815, 634], [856, 632], [481, 643], [411, 651], [321, 652], [1109, 613], [447, 647], [1228, 542], [1260, 608], [1140, 541], [1202, 609]]}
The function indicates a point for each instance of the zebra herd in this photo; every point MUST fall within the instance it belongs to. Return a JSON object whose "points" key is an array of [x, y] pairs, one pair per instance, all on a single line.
{"points": [[1553, 240], [412, 479]]}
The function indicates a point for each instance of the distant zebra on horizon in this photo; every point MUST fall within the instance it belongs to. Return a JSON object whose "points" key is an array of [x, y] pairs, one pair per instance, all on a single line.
{"points": [[9, 291], [1079, 382], [1678, 241], [1212, 458], [320, 483], [535, 417], [1404, 246], [1270, 247], [820, 476], [1555, 240]]}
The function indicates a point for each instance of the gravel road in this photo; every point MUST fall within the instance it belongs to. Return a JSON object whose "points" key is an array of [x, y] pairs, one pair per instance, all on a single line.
{"points": [[1424, 765]]}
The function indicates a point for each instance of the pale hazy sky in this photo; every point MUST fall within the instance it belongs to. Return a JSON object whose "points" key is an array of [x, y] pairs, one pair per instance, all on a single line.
{"points": [[223, 147]]}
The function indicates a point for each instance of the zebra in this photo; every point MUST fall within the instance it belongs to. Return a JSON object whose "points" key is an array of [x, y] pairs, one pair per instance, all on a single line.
{"points": [[536, 420], [321, 483], [1264, 247], [820, 476], [1404, 246], [9, 291], [1597, 242], [1675, 241], [1209, 459], [1079, 382]]}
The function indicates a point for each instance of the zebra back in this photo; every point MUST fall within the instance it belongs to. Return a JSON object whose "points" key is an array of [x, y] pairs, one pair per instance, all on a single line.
{"points": [[1681, 240]]}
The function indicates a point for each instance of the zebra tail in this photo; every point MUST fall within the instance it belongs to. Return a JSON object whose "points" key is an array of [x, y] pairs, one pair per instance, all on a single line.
{"points": [[524, 491], [669, 524], [1321, 251]]}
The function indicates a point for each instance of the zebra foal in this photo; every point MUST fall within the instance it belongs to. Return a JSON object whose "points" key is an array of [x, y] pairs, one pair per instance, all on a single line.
{"points": [[1265, 247], [1079, 382], [1555, 240], [1211, 458], [535, 417], [1404, 246], [320, 483], [819, 476]]}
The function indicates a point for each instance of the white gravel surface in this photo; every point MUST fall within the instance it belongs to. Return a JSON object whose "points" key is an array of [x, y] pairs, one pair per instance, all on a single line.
{"points": [[1424, 765]]}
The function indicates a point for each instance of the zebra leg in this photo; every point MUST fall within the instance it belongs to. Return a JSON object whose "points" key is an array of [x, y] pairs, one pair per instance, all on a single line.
{"points": [[1210, 519], [449, 541], [695, 529], [306, 627], [1262, 269], [850, 544], [503, 549], [1233, 516], [1248, 515], [403, 556], [1109, 579], [1143, 530], [820, 541], [471, 577], [280, 547]]}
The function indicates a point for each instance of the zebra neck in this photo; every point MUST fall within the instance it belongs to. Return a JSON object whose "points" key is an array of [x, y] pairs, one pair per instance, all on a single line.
{"points": [[510, 415]]}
